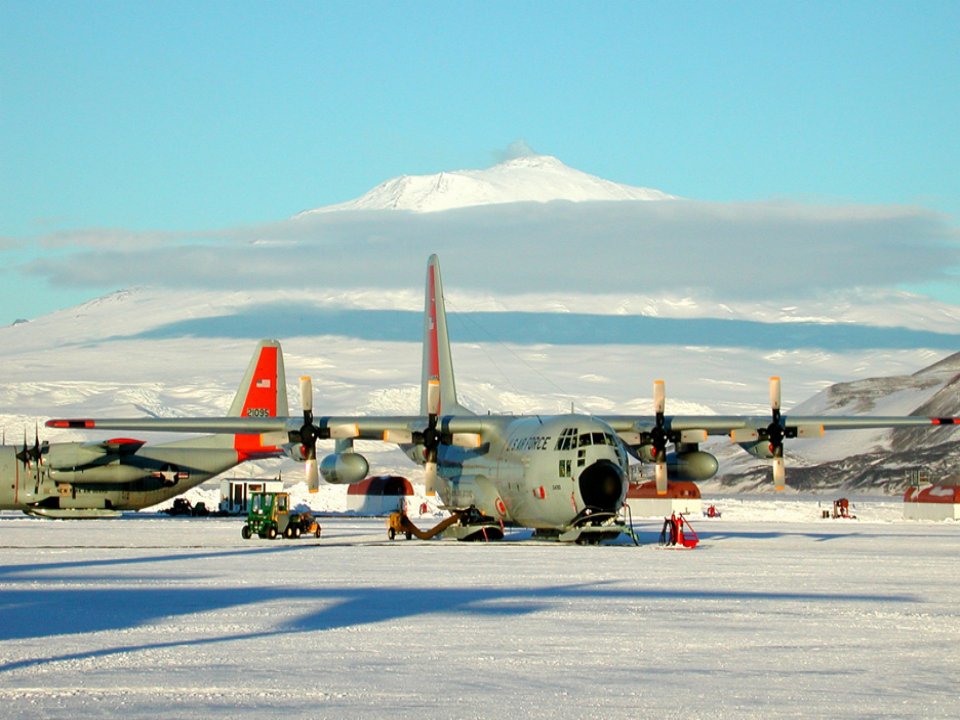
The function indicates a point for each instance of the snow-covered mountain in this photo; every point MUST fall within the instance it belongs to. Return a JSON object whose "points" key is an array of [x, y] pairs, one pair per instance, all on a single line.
{"points": [[532, 178], [562, 307], [182, 353], [872, 459]]}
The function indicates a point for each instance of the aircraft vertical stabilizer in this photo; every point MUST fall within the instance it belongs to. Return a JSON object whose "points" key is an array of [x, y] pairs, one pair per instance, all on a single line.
{"points": [[262, 393], [263, 390], [437, 362]]}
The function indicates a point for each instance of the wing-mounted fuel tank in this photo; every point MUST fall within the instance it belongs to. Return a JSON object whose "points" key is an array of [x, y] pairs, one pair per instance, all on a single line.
{"points": [[337, 468], [692, 465], [344, 468], [688, 463]]}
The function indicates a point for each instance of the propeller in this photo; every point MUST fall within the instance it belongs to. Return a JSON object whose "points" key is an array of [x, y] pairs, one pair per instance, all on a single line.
{"points": [[31, 454], [308, 435], [430, 437], [310, 432], [775, 435], [659, 437]]}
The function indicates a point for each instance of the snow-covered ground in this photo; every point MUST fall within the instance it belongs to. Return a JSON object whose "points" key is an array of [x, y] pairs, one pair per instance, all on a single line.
{"points": [[776, 614]]}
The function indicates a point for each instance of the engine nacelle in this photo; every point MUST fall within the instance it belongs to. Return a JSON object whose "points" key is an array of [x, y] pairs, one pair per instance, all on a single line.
{"points": [[692, 465], [73, 455], [344, 468], [644, 452], [760, 449]]}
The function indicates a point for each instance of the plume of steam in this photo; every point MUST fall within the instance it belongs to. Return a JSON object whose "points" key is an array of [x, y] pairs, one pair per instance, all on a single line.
{"points": [[517, 149]]}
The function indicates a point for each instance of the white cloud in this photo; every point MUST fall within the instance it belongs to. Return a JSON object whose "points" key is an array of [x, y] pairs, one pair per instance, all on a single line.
{"points": [[711, 250]]}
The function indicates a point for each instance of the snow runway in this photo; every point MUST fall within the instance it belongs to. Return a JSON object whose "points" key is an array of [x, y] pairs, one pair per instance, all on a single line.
{"points": [[797, 617]]}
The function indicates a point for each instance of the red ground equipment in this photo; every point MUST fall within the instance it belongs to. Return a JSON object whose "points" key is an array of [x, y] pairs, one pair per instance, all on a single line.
{"points": [[678, 532], [841, 509]]}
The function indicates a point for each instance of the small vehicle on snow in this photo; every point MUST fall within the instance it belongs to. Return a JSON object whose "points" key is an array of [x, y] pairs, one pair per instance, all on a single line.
{"points": [[270, 516], [182, 506]]}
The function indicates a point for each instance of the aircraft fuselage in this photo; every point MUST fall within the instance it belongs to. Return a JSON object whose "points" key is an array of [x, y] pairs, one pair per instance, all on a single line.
{"points": [[151, 476], [539, 472]]}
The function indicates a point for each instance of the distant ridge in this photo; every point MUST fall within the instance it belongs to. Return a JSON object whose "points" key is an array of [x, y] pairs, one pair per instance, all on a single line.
{"points": [[531, 178]]}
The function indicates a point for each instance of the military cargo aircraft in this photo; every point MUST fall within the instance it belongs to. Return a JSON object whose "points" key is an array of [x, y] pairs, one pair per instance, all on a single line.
{"points": [[99, 479], [565, 476]]}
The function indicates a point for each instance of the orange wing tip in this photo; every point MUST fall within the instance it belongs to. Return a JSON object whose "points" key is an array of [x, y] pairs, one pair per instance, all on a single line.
{"points": [[70, 424]]}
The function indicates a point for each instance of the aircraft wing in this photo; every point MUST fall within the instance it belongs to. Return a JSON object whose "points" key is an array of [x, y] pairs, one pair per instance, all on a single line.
{"points": [[357, 426], [223, 425], [117, 446], [374, 427], [725, 424]]}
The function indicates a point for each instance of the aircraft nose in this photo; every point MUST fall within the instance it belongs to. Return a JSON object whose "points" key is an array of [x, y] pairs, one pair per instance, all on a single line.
{"points": [[601, 486]]}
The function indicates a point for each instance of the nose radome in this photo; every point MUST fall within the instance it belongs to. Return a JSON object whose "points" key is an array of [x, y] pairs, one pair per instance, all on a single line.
{"points": [[601, 486]]}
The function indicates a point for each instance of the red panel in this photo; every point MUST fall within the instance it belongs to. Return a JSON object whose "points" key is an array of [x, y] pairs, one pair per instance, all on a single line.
{"points": [[261, 397]]}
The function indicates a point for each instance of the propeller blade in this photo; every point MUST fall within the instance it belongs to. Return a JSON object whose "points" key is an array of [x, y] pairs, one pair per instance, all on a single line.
{"points": [[433, 397], [37, 455], [430, 477], [744, 435], [272, 439], [345, 431], [659, 436], [467, 440], [659, 397], [24, 454], [776, 433], [661, 478], [400, 437], [775, 393], [313, 475], [308, 433], [779, 473], [306, 393]]}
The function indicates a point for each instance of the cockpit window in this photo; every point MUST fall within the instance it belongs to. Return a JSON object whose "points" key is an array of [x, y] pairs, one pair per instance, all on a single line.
{"points": [[585, 440], [567, 439]]}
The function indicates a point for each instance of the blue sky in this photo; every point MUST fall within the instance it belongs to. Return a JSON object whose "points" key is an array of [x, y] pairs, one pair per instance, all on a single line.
{"points": [[130, 119]]}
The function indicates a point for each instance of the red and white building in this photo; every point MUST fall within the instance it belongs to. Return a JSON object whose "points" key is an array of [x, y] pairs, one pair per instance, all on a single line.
{"points": [[933, 502], [380, 495], [682, 497]]}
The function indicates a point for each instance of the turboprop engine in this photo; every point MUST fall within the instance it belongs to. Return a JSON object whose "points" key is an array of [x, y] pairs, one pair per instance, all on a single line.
{"points": [[344, 468]]}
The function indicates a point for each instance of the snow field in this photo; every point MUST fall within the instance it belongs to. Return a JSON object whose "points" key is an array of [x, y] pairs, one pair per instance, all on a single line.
{"points": [[790, 617]]}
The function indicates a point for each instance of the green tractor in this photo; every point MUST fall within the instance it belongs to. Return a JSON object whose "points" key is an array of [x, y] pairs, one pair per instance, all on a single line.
{"points": [[270, 515]]}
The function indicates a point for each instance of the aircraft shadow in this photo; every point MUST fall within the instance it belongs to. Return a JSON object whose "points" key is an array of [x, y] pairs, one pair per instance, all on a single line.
{"points": [[46, 612]]}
